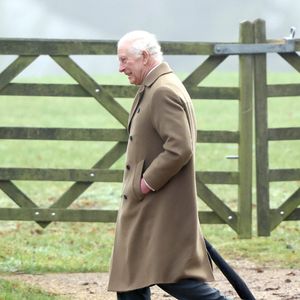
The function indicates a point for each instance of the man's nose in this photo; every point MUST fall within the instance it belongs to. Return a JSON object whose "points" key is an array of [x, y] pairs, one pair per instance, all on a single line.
{"points": [[121, 68]]}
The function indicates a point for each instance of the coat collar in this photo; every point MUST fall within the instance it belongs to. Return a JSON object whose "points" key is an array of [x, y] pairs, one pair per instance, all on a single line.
{"points": [[158, 71]]}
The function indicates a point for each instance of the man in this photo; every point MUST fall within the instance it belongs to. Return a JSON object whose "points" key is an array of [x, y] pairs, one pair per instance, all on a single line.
{"points": [[158, 238]]}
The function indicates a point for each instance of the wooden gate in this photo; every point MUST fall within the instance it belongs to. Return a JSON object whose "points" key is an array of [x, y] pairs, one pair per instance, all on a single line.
{"points": [[267, 218], [28, 50]]}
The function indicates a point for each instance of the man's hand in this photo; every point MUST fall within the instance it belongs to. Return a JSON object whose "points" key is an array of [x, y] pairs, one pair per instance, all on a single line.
{"points": [[144, 188]]}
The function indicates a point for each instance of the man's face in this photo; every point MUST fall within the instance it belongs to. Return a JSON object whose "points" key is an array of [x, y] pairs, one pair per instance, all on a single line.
{"points": [[131, 64]]}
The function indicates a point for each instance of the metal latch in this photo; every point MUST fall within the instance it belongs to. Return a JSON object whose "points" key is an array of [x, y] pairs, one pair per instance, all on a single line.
{"points": [[285, 45], [292, 33]]}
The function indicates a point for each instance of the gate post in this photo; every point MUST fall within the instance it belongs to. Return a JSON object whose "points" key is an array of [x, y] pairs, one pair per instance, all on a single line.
{"points": [[261, 133], [246, 133]]}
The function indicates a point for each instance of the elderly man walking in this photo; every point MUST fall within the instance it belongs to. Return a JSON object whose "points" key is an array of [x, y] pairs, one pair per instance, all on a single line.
{"points": [[158, 238]]}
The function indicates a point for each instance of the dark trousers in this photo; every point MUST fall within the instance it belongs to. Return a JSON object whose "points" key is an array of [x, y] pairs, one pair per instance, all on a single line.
{"points": [[187, 289]]}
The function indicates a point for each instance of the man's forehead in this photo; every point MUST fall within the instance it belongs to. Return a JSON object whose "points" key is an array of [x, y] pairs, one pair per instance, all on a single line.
{"points": [[123, 47], [124, 50], [125, 44]]}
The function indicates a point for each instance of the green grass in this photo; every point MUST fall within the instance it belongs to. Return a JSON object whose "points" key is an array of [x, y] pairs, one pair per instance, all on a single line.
{"points": [[14, 290], [280, 250], [62, 247], [78, 247]]}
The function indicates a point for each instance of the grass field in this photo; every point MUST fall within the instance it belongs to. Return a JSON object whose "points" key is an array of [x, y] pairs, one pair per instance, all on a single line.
{"points": [[78, 247], [18, 291]]}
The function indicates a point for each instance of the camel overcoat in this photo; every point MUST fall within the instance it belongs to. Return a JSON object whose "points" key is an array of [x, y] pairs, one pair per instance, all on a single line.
{"points": [[158, 237]]}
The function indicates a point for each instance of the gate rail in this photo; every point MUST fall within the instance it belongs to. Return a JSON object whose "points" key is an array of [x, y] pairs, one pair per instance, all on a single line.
{"points": [[268, 219], [251, 51]]}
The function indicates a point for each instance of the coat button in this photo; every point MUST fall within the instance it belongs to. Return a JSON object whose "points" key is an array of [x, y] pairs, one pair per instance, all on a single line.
{"points": [[139, 109], [128, 167], [125, 197], [131, 138]]}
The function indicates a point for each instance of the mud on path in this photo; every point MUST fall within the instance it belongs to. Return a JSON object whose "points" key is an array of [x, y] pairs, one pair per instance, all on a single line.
{"points": [[265, 283]]}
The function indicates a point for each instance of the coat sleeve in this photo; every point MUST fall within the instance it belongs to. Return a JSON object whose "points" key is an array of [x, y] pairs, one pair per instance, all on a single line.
{"points": [[170, 120]]}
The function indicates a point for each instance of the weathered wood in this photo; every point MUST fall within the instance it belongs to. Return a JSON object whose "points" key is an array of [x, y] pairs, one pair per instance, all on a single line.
{"points": [[64, 90], [187, 48], [95, 90], [80, 215], [284, 134], [66, 134], [283, 90], [79, 187], [216, 204], [92, 47], [99, 175], [92, 134], [14, 193], [211, 63], [218, 177], [43, 215], [261, 134], [17, 46], [76, 189], [59, 50], [214, 136], [294, 216], [14, 69], [293, 59], [82, 175], [213, 93], [284, 210], [284, 175], [117, 91], [246, 135], [56, 47], [209, 217]]}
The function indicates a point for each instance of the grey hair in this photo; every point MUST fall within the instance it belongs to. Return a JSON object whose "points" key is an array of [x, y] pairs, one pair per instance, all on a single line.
{"points": [[143, 41]]}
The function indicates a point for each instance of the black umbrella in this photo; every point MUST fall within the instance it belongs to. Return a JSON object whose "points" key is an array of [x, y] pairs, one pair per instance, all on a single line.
{"points": [[235, 280]]}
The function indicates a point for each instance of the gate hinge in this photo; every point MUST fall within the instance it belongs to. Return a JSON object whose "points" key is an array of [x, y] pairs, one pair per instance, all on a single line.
{"points": [[284, 46]]}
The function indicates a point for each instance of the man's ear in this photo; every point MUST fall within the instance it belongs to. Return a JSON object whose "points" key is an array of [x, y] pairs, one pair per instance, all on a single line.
{"points": [[146, 56]]}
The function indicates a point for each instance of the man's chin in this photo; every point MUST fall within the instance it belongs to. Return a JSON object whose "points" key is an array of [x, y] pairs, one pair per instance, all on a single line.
{"points": [[131, 80]]}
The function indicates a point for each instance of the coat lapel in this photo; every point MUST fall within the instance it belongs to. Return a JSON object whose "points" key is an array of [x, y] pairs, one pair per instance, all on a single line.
{"points": [[135, 105], [160, 70]]}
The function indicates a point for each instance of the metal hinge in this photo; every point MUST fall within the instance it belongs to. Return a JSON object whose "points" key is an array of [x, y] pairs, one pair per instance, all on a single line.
{"points": [[287, 46], [284, 46]]}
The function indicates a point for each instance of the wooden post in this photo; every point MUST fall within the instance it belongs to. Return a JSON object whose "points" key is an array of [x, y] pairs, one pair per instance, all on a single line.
{"points": [[246, 132], [261, 133]]}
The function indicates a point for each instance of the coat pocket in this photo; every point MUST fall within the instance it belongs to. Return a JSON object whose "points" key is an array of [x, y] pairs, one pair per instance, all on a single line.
{"points": [[136, 182]]}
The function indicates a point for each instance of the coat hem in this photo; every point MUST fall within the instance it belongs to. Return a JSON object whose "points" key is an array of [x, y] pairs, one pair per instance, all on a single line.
{"points": [[140, 286]]}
